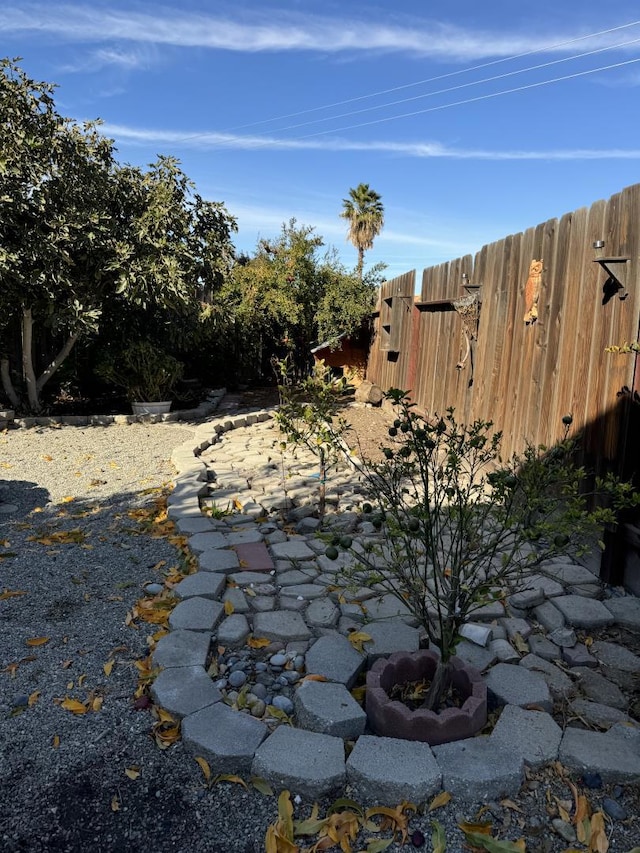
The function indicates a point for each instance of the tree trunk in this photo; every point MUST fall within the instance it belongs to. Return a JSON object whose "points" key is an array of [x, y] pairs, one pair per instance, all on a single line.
{"points": [[360, 266], [27, 360], [7, 384], [64, 351], [440, 683]]}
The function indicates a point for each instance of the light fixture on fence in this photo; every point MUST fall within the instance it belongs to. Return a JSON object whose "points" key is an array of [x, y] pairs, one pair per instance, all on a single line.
{"points": [[465, 279], [598, 244]]}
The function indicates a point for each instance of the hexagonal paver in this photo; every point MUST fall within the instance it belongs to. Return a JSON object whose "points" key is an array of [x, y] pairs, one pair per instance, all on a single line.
{"points": [[386, 771], [182, 648], [227, 739], [335, 658], [183, 690], [330, 709], [196, 614]]}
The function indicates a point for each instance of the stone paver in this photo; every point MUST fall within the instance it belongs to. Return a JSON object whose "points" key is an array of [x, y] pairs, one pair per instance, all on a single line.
{"points": [[254, 556], [294, 549], [597, 688], [558, 682], [335, 658], [534, 735], [233, 631], [330, 709], [183, 690], [515, 685], [282, 625], [613, 655], [387, 770], [196, 614], [603, 716], [306, 763], [479, 769], [389, 637], [218, 560], [201, 542], [626, 611], [182, 648], [226, 739], [583, 612], [615, 754], [201, 585]]}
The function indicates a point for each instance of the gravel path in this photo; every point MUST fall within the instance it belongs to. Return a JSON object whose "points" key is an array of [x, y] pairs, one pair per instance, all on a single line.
{"points": [[63, 784]]}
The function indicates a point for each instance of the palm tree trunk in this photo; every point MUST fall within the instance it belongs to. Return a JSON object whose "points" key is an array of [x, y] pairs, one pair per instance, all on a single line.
{"points": [[360, 266]]}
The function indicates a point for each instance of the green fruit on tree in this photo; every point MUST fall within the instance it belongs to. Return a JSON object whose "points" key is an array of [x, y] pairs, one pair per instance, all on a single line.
{"points": [[332, 553], [404, 427], [346, 541], [414, 524], [567, 420], [397, 423], [561, 540], [367, 508], [393, 432]]}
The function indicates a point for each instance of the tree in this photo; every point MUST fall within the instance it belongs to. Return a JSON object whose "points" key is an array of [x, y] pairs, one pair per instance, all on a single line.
{"points": [[365, 213], [84, 240], [289, 295], [54, 234]]}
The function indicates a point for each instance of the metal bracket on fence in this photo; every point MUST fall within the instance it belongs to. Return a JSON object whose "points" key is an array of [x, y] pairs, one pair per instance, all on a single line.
{"points": [[616, 270]]}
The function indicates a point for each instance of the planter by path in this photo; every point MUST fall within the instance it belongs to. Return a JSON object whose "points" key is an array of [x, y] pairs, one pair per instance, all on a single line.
{"points": [[392, 718]]}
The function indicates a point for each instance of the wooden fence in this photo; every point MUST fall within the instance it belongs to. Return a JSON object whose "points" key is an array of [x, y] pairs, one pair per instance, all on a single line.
{"points": [[464, 341], [470, 339]]}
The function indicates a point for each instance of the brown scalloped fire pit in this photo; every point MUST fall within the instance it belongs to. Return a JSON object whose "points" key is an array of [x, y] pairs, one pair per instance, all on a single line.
{"points": [[393, 718]]}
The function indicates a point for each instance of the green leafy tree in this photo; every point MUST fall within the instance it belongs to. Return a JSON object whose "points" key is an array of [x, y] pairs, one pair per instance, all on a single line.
{"points": [[56, 233], [364, 212], [85, 241], [290, 295]]}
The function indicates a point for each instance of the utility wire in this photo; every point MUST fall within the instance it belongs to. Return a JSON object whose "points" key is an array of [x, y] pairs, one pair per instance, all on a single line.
{"points": [[544, 49], [474, 100], [461, 85]]}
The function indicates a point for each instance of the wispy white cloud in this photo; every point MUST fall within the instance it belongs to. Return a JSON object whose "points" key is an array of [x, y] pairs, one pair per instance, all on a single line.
{"points": [[113, 57], [278, 31], [422, 150]]}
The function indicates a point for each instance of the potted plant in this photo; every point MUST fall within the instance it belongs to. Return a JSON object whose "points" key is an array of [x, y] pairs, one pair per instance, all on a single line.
{"points": [[461, 528], [146, 372]]}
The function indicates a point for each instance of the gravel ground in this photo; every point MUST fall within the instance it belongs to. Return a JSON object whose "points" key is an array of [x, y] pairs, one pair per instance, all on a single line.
{"points": [[77, 552]]}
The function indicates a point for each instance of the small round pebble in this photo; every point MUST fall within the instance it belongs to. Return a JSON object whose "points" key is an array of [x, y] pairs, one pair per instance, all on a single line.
{"points": [[237, 678], [614, 809], [258, 708], [278, 660], [260, 666], [259, 690], [221, 683], [283, 704], [153, 588], [564, 830], [298, 662], [20, 701]]}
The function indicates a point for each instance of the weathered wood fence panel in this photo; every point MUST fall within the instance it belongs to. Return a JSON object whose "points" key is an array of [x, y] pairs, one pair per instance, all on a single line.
{"points": [[526, 376]]}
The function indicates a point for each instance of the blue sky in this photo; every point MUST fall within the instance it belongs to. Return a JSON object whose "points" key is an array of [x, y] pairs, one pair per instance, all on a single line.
{"points": [[472, 120]]}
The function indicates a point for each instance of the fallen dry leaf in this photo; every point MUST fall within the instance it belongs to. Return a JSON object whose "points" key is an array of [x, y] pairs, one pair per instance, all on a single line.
{"points": [[440, 800], [108, 667], [115, 803], [358, 639], [258, 642], [204, 766], [11, 593], [132, 772], [33, 698], [74, 705], [37, 641], [56, 741]]}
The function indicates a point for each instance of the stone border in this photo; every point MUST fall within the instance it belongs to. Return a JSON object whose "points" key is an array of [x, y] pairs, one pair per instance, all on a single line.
{"points": [[206, 408], [379, 769]]}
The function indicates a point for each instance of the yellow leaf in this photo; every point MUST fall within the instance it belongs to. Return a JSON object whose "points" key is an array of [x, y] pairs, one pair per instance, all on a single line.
{"points": [[108, 667], [262, 785], [599, 842], [237, 504], [96, 704], [228, 608], [285, 814], [132, 772], [227, 777], [74, 706], [204, 766], [38, 641], [358, 639], [11, 593], [258, 642], [47, 458], [56, 741], [115, 803], [440, 800], [66, 499], [82, 679], [314, 677], [33, 698]]}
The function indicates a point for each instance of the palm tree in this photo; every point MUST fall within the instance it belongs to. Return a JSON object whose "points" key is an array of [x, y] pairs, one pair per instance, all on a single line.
{"points": [[365, 213]]}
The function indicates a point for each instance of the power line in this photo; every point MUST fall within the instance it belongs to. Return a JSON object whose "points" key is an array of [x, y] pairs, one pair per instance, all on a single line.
{"points": [[544, 49], [473, 100], [462, 85]]}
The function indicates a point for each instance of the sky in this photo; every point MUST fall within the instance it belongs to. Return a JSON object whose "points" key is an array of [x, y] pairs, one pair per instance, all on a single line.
{"points": [[471, 120]]}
